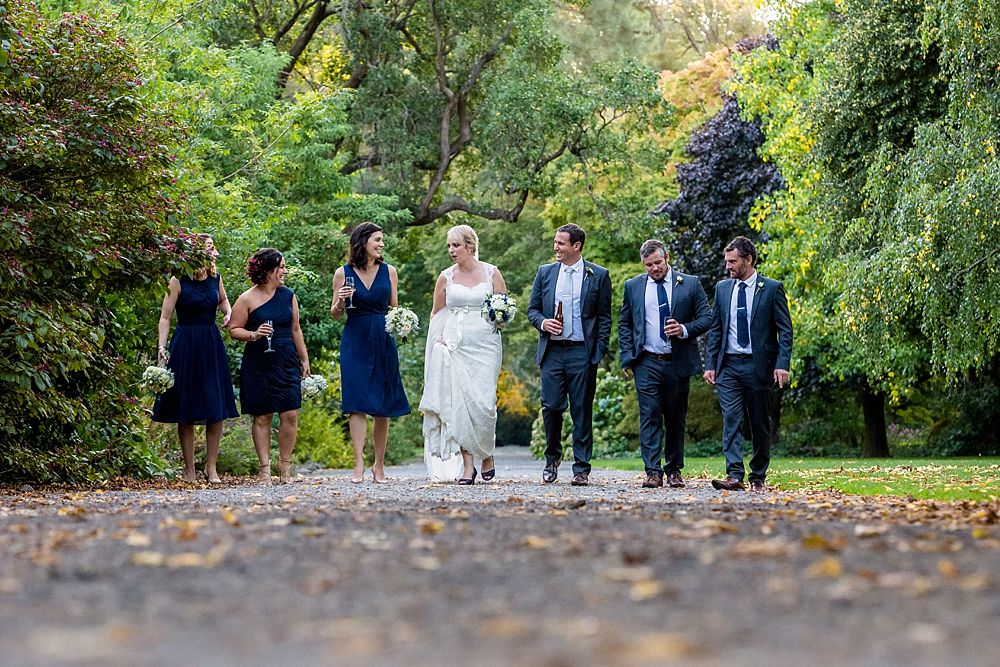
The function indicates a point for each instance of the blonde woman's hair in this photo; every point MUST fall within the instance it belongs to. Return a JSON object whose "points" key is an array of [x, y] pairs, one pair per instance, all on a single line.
{"points": [[466, 235]]}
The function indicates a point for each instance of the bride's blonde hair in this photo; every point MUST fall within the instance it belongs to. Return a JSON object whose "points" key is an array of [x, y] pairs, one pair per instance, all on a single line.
{"points": [[467, 235]]}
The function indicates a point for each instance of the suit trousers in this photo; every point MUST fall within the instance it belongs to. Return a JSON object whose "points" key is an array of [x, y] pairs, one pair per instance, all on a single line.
{"points": [[567, 373], [663, 404], [742, 394]]}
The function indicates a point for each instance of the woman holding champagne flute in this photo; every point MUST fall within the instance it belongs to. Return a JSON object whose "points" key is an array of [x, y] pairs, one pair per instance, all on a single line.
{"points": [[364, 289], [275, 359]]}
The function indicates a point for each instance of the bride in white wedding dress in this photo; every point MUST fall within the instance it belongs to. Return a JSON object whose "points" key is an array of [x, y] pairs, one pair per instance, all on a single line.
{"points": [[461, 367]]}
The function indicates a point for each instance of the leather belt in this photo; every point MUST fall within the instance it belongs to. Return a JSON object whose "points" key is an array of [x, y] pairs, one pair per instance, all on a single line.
{"points": [[660, 357], [565, 343], [739, 355]]}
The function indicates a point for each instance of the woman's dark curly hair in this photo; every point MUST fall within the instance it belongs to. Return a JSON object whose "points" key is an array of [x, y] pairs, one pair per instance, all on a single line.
{"points": [[262, 263], [358, 258]]}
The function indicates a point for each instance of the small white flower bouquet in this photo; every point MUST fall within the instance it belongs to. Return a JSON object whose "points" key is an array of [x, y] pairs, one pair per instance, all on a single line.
{"points": [[313, 386], [499, 310], [156, 379], [401, 323]]}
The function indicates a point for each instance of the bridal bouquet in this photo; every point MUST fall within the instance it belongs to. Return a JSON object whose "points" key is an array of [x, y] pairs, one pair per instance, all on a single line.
{"points": [[156, 379], [499, 310], [313, 386], [401, 323]]}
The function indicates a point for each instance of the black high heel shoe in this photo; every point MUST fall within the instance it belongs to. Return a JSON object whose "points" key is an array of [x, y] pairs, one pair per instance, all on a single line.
{"points": [[465, 481], [488, 475]]}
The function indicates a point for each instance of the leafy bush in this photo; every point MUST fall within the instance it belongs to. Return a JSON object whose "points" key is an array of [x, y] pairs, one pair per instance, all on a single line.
{"points": [[83, 219]]}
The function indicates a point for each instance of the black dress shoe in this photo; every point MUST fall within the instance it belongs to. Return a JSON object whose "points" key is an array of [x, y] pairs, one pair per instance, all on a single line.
{"points": [[757, 486], [674, 480], [728, 484], [488, 475], [550, 472], [654, 480], [580, 479]]}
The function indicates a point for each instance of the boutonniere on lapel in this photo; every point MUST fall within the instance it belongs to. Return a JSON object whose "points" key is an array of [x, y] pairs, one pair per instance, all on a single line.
{"points": [[760, 284], [679, 280], [587, 272]]}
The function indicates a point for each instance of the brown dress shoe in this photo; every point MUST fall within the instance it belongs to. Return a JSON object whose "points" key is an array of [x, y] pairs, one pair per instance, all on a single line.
{"points": [[728, 484], [580, 479], [757, 486], [654, 480], [674, 480]]}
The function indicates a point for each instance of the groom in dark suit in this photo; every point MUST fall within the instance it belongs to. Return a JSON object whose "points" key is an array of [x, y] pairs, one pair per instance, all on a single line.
{"points": [[663, 313], [749, 350], [570, 350]]}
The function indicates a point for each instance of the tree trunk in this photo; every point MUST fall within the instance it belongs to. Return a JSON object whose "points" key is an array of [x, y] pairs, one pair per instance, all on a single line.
{"points": [[873, 406]]}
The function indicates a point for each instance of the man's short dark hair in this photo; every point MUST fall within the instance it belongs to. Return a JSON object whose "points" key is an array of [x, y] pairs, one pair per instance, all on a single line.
{"points": [[576, 234], [650, 246], [745, 248]]}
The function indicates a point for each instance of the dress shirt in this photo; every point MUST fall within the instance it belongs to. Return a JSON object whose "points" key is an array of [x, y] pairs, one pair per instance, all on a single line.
{"points": [[575, 310], [653, 342], [732, 345]]}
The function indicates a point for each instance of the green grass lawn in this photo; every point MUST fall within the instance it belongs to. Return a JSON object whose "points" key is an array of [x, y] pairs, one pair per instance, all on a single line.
{"points": [[974, 478]]}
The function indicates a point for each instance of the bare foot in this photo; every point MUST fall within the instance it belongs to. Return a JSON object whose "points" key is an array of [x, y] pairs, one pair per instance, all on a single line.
{"points": [[264, 475], [358, 476], [212, 477], [378, 477], [284, 471], [191, 477]]}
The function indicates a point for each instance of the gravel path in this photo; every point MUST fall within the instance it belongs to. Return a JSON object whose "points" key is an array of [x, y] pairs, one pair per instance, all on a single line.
{"points": [[512, 572]]}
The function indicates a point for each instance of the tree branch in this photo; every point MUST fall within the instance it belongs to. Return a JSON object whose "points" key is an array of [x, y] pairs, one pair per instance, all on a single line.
{"points": [[458, 204]]}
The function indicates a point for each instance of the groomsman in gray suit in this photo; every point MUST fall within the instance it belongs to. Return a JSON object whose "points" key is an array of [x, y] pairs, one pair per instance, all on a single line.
{"points": [[570, 350], [663, 313], [749, 350]]}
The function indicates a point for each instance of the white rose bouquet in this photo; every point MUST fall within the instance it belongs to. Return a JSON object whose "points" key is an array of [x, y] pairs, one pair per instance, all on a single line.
{"points": [[313, 386], [498, 310], [401, 323], [156, 379]]}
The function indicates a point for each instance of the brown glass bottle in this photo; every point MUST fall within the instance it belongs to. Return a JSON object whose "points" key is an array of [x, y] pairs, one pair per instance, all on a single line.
{"points": [[559, 314]]}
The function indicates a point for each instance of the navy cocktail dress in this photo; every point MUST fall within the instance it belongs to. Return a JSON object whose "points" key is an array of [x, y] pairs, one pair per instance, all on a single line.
{"points": [[203, 388], [271, 381], [369, 363]]}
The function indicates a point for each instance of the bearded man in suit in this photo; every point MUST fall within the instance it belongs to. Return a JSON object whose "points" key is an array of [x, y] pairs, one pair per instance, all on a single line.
{"points": [[570, 350], [749, 351], [663, 313]]}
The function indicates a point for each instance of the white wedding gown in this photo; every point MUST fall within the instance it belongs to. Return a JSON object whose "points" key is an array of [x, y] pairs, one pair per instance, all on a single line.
{"points": [[461, 367]]}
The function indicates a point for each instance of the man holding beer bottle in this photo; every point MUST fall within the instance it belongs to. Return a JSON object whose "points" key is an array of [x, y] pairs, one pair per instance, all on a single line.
{"points": [[571, 308]]}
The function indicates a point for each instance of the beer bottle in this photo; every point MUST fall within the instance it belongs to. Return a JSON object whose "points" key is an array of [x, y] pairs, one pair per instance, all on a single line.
{"points": [[559, 314]]}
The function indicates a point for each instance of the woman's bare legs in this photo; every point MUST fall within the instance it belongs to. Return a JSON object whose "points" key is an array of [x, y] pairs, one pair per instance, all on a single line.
{"points": [[380, 434], [261, 434], [288, 430], [213, 434], [358, 423], [185, 433]]}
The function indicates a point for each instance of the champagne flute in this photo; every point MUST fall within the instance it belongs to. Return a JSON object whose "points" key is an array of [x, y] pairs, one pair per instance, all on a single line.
{"points": [[349, 282], [270, 324]]}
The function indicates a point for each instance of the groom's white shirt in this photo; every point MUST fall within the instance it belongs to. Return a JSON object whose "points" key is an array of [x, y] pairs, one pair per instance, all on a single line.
{"points": [[576, 309]]}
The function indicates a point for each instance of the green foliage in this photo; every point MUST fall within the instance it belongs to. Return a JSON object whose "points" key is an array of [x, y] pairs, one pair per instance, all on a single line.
{"points": [[83, 182]]}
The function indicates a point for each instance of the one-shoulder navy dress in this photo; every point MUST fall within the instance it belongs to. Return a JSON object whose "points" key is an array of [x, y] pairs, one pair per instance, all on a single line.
{"points": [[271, 381], [369, 362], [203, 388]]}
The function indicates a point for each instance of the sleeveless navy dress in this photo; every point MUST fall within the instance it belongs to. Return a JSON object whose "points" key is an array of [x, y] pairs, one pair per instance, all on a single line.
{"points": [[203, 388], [369, 363], [271, 381]]}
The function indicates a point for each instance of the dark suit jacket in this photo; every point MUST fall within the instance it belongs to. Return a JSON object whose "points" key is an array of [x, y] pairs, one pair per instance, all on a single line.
{"points": [[595, 307], [770, 327], [689, 306]]}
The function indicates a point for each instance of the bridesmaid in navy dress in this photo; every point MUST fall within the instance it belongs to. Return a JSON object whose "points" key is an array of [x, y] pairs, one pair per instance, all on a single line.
{"points": [[369, 363], [203, 389], [275, 359]]}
